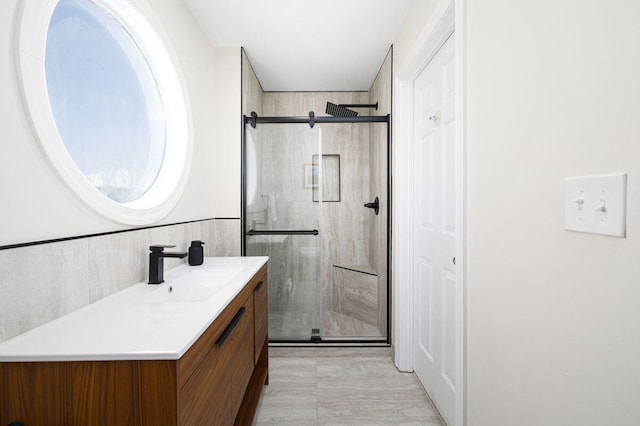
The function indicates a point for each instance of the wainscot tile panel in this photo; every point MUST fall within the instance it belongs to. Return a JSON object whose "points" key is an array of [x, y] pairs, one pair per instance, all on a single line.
{"points": [[43, 282]]}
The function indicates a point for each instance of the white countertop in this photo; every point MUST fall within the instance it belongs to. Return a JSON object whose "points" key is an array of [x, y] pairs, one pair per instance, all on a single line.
{"points": [[143, 321]]}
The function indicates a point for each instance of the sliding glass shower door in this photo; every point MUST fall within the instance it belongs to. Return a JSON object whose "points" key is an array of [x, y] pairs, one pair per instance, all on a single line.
{"points": [[282, 222], [316, 202]]}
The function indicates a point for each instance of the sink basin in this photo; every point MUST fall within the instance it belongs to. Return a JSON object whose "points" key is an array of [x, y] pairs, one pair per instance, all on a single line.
{"points": [[192, 287]]}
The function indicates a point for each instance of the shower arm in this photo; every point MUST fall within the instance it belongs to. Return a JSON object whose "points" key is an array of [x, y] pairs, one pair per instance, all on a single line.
{"points": [[375, 106]]}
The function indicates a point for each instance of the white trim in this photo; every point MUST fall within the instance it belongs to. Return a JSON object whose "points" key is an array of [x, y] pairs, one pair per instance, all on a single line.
{"points": [[431, 38], [138, 20], [450, 15], [402, 220]]}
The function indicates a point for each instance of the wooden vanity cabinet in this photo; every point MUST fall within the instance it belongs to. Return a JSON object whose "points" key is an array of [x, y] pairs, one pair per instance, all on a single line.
{"points": [[217, 382]]}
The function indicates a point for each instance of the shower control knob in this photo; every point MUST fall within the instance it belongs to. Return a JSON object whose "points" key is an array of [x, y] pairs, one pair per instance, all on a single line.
{"points": [[375, 205]]}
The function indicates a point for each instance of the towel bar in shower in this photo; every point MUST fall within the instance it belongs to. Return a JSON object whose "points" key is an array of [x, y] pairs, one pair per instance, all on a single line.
{"points": [[283, 232]]}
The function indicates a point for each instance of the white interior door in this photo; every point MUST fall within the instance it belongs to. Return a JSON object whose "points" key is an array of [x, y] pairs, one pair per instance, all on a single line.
{"points": [[435, 288]]}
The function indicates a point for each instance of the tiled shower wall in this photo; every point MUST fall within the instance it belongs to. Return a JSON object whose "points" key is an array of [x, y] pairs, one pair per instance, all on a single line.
{"points": [[380, 92], [252, 93], [42, 282]]}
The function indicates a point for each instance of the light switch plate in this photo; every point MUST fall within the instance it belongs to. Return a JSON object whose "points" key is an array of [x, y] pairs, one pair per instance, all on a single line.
{"points": [[596, 204]]}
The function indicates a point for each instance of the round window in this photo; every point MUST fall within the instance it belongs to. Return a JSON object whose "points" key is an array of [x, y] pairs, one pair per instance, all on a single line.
{"points": [[108, 105]]}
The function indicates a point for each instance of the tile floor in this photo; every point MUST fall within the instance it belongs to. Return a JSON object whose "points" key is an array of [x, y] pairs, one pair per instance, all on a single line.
{"points": [[341, 386]]}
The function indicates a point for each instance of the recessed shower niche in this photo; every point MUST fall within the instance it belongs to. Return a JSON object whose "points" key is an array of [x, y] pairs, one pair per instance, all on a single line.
{"points": [[330, 166], [307, 180]]}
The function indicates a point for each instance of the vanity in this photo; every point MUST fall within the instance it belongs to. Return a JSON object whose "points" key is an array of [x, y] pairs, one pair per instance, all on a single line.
{"points": [[190, 351]]}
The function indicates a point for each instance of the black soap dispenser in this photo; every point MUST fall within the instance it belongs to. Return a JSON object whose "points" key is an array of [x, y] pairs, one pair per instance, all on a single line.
{"points": [[196, 253]]}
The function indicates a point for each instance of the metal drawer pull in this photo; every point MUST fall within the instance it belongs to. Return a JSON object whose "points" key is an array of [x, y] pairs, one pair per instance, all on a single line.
{"points": [[227, 331]]}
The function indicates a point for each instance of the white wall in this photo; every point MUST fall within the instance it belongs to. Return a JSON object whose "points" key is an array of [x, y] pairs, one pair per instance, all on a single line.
{"points": [[552, 327], [553, 316], [227, 113], [37, 205]]}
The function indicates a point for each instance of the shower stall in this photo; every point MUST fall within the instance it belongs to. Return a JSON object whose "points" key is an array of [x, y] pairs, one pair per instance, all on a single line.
{"points": [[316, 196]]}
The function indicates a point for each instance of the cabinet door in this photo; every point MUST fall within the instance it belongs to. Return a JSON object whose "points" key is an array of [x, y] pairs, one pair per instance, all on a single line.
{"points": [[100, 392], [32, 393], [261, 320]]}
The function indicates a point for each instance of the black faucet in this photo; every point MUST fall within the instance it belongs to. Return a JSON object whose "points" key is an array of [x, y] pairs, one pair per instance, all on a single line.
{"points": [[156, 262]]}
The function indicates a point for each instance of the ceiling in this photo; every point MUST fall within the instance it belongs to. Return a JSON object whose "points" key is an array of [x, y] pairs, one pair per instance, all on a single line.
{"points": [[302, 45]]}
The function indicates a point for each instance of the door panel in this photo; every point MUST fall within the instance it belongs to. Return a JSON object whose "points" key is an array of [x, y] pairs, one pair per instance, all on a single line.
{"points": [[425, 316]]}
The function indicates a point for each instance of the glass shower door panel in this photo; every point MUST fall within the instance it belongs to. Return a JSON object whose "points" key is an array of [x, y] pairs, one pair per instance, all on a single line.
{"points": [[293, 284], [280, 178], [282, 222]]}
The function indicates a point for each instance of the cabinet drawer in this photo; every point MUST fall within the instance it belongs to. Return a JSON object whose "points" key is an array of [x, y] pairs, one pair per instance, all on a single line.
{"points": [[208, 394], [194, 356], [215, 390]]}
